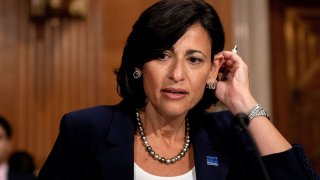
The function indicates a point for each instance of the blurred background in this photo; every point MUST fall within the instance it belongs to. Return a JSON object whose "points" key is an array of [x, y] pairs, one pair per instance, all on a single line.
{"points": [[59, 55]]}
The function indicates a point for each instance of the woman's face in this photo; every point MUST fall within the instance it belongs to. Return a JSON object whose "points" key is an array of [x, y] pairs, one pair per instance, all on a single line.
{"points": [[175, 82]]}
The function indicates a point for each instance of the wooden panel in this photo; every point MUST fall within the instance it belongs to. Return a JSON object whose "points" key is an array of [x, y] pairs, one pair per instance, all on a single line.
{"points": [[302, 40], [296, 70], [60, 65], [225, 11], [48, 69]]}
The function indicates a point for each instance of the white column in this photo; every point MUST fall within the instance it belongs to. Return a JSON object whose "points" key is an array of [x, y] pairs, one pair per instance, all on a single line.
{"points": [[251, 33]]}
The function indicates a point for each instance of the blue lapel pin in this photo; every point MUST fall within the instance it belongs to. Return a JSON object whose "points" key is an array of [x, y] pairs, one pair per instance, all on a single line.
{"points": [[212, 161]]}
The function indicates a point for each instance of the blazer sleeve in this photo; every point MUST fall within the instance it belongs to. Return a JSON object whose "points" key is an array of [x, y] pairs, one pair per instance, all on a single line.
{"points": [[60, 161], [291, 164]]}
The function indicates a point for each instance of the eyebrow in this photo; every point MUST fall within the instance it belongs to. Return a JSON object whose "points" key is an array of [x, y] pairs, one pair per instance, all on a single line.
{"points": [[191, 51]]}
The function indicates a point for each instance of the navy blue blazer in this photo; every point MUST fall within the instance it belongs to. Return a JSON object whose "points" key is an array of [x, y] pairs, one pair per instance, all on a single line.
{"points": [[97, 144]]}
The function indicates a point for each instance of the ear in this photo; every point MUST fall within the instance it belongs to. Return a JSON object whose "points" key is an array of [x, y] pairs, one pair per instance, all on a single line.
{"points": [[137, 69], [217, 62]]}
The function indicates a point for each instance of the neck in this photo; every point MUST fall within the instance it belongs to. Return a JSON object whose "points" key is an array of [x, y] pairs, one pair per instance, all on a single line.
{"points": [[3, 163], [163, 126], [169, 144]]}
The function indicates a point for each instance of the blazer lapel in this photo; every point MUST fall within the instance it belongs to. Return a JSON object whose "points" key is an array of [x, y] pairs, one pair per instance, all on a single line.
{"points": [[116, 157], [209, 163]]}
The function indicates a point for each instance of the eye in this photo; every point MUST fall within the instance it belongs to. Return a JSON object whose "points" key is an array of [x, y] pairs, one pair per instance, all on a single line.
{"points": [[164, 56], [194, 60]]}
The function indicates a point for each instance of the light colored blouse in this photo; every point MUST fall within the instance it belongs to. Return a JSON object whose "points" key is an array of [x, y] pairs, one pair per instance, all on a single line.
{"points": [[140, 174], [4, 168]]}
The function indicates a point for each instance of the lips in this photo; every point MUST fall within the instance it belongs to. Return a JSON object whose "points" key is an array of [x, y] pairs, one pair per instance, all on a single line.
{"points": [[174, 93]]}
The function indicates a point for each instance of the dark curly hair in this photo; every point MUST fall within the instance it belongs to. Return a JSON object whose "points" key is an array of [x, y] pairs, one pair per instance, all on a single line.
{"points": [[157, 30]]}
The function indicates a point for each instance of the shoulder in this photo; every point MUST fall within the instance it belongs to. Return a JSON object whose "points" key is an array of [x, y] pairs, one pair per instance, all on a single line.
{"points": [[220, 120], [226, 116], [91, 120], [220, 128], [97, 113], [218, 124]]}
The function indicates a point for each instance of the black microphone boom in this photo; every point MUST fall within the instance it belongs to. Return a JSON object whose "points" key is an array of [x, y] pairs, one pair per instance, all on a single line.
{"points": [[244, 121]]}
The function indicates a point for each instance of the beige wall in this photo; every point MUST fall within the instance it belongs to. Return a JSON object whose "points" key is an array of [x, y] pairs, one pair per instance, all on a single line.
{"points": [[251, 32]]}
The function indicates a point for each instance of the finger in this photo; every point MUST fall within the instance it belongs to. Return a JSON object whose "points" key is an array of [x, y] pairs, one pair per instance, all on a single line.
{"points": [[229, 63], [231, 59], [228, 55], [220, 90], [226, 67]]}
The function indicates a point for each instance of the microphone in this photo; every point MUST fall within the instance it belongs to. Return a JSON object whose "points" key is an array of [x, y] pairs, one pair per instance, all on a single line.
{"points": [[244, 121]]}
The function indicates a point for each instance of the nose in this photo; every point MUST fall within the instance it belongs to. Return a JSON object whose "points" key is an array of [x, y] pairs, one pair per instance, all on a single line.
{"points": [[176, 71]]}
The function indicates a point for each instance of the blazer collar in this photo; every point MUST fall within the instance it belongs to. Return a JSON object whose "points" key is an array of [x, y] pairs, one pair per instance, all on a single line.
{"points": [[116, 157], [209, 163]]}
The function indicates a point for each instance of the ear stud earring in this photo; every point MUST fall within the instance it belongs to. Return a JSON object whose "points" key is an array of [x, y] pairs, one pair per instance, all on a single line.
{"points": [[136, 74], [211, 85]]}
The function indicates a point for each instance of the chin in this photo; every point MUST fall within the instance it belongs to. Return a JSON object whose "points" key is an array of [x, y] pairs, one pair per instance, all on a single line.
{"points": [[176, 110]]}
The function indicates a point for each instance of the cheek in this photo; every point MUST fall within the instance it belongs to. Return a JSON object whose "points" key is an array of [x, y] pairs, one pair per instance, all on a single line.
{"points": [[151, 81], [199, 87], [148, 86], [198, 84]]}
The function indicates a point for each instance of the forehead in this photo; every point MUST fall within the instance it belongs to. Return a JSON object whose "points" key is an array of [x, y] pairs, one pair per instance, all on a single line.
{"points": [[195, 36], [197, 30]]}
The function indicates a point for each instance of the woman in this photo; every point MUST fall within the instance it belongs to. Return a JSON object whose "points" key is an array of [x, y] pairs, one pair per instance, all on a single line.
{"points": [[161, 129]]}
